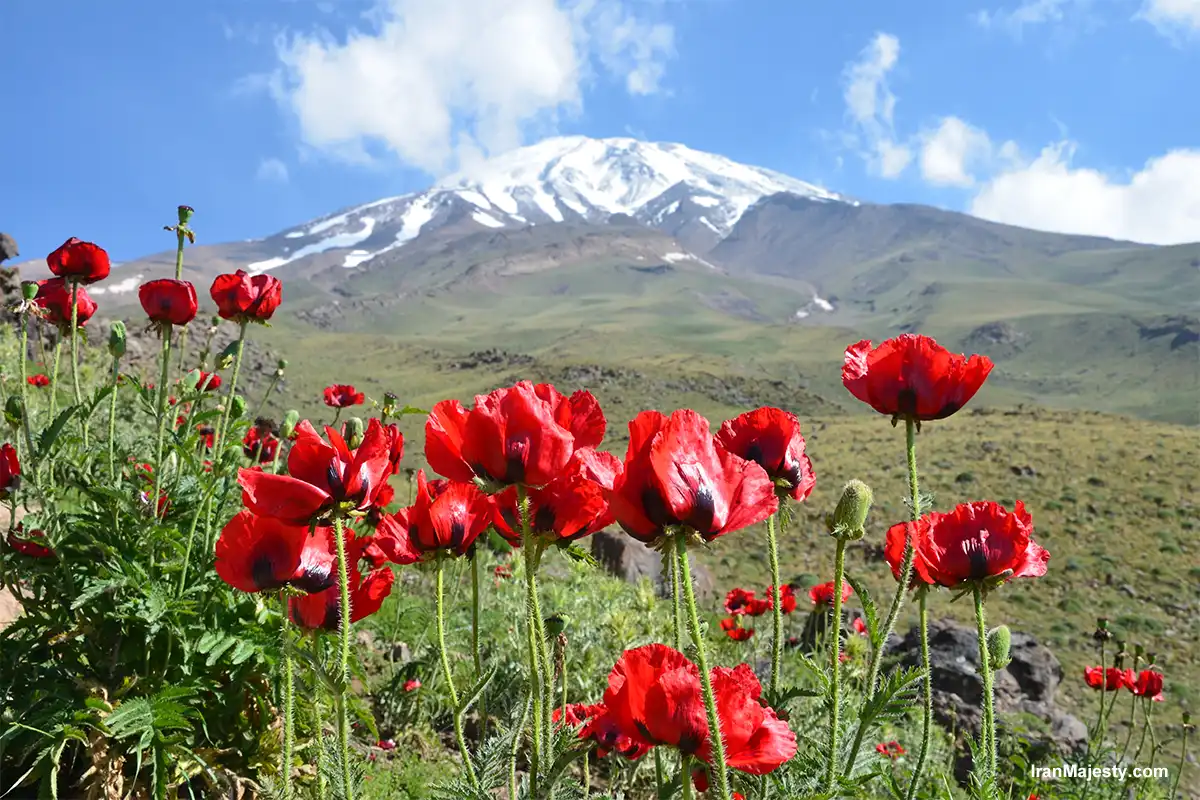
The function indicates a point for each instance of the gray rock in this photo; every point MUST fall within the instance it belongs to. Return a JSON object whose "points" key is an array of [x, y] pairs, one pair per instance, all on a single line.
{"points": [[628, 559]]}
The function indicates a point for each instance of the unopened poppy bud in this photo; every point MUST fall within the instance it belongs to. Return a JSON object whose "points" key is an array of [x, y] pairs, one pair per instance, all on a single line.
{"points": [[389, 402], [850, 517], [116, 339], [1102, 623], [1150, 660], [191, 380], [238, 408], [1138, 650], [355, 430], [1187, 722], [12, 411], [185, 214], [290, 420], [999, 642], [29, 289], [282, 365]]}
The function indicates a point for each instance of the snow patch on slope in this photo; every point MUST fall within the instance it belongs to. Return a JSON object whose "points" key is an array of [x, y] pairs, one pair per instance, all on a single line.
{"points": [[119, 287], [335, 242]]}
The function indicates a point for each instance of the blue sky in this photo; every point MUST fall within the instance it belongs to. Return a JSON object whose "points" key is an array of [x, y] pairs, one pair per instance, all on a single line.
{"points": [[1071, 115]]}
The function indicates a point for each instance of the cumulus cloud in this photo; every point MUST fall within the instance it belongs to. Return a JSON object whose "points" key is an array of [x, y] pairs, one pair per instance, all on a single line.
{"points": [[871, 106], [437, 83], [1173, 16], [1157, 204], [272, 170], [951, 152], [1031, 12]]}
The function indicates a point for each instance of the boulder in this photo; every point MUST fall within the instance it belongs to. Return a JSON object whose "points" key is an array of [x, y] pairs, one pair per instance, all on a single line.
{"points": [[630, 560], [1026, 686]]}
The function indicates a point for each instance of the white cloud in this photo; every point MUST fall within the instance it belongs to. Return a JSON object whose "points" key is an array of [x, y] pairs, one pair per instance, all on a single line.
{"points": [[871, 105], [951, 153], [1158, 204], [436, 83], [1173, 16], [272, 170], [1031, 12]]}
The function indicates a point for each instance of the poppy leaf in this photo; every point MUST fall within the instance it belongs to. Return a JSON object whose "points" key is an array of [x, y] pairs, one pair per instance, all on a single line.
{"points": [[51, 434], [579, 555], [870, 612], [472, 696], [409, 410]]}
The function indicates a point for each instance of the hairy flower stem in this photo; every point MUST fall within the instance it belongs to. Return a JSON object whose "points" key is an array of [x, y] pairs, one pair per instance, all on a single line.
{"points": [[989, 700], [83, 418], [344, 626], [289, 703], [30, 452], [927, 698], [835, 654], [710, 702], [776, 603], [112, 420], [660, 772], [672, 565], [476, 651], [449, 674], [532, 614], [161, 405], [516, 747], [587, 777], [54, 378], [1182, 761], [910, 440], [223, 428], [685, 778]]}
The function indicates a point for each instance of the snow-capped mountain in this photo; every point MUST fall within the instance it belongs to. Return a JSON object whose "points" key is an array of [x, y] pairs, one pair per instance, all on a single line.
{"points": [[693, 196]]}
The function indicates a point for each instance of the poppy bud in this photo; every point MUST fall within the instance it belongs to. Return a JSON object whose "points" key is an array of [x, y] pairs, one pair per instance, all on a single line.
{"points": [[191, 380], [555, 625], [29, 289], [282, 365], [1138, 650], [999, 643], [389, 403], [12, 411], [1150, 660], [355, 430], [185, 214], [116, 339], [850, 516], [290, 420], [238, 408]]}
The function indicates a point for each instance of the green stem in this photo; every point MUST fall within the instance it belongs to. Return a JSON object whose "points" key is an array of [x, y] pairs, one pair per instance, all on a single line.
{"points": [[266, 396], [191, 539], [183, 339], [587, 777], [906, 567], [1182, 762], [30, 452], [532, 614], [223, 428], [516, 746], [54, 377], [985, 671], [112, 421], [476, 651], [449, 674], [75, 358], [835, 649], [344, 626], [685, 778], [672, 564], [710, 703], [776, 603], [163, 377], [927, 698], [285, 761]]}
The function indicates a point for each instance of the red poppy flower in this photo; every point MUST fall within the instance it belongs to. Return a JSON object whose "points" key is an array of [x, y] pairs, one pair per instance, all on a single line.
{"points": [[732, 628], [756, 740], [322, 610], [573, 505], [258, 554], [912, 377], [411, 685], [10, 470], [161, 507], [758, 606], [1147, 683], [208, 382], [770, 437], [207, 435], [445, 515], [676, 473], [32, 545], [79, 261], [242, 297], [598, 726], [822, 593], [323, 480], [39, 380], [389, 744], [787, 598], [1110, 679], [700, 779], [859, 626], [522, 434], [501, 572], [891, 750], [54, 298], [737, 601], [975, 541], [343, 395], [258, 444], [168, 301]]}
